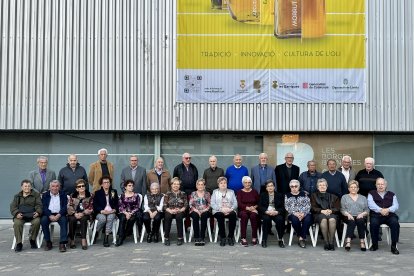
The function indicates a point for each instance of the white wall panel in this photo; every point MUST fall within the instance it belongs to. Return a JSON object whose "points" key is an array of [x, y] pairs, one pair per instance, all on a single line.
{"points": [[110, 65]]}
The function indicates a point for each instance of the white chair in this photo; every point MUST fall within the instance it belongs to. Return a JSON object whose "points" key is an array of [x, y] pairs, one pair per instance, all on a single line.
{"points": [[226, 221], [143, 231], [261, 233], [38, 238], [315, 239], [344, 236], [52, 231], [192, 230], [387, 231], [310, 234], [238, 227], [114, 230], [162, 227]]}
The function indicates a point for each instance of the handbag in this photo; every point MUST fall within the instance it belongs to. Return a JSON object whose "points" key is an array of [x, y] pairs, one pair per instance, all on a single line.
{"points": [[26, 211]]}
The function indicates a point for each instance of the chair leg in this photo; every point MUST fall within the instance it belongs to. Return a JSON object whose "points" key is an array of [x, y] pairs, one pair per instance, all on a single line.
{"points": [[134, 231], [142, 234], [314, 238], [215, 230], [291, 235], [261, 235], [237, 230], [94, 231], [337, 239], [344, 234], [184, 235], [209, 231], [190, 236]]}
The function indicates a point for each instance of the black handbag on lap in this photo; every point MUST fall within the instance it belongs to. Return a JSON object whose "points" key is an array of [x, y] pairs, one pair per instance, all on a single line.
{"points": [[27, 211]]}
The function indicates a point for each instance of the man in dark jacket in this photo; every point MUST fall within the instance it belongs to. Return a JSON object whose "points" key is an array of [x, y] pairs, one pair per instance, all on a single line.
{"points": [[187, 173], [55, 204], [26, 207], [70, 173], [285, 173]]}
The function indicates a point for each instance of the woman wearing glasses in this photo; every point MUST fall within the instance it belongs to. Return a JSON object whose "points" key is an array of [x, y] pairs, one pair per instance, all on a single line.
{"points": [[297, 204], [80, 208]]}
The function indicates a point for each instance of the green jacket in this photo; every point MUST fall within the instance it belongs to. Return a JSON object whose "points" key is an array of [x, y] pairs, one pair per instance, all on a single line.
{"points": [[33, 199]]}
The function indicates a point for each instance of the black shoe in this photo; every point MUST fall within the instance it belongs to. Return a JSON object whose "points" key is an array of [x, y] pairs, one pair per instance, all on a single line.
{"points": [[264, 244], [156, 238], [326, 247], [19, 247], [106, 241], [332, 247], [33, 244], [222, 242], [197, 242], [149, 238], [48, 246], [281, 244], [394, 250], [167, 242], [230, 241], [373, 247], [302, 243], [180, 242], [201, 242], [62, 247], [119, 242]]}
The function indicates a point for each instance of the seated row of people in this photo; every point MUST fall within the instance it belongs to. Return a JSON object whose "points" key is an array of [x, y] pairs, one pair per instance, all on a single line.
{"points": [[322, 208]]}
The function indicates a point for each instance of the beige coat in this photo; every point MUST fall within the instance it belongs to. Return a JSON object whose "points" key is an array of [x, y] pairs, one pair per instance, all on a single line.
{"points": [[95, 173]]}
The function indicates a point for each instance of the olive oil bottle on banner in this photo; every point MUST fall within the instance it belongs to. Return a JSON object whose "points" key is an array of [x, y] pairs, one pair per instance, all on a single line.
{"points": [[252, 11], [219, 4], [300, 18]]}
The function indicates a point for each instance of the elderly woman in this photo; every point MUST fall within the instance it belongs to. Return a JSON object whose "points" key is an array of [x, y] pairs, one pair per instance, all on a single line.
{"points": [[272, 208], [200, 210], [105, 206], [153, 203], [224, 205], [247, 201], [325, 207], [175, 204], [129, 211], [80, 208], [297, 204], [354, 208]]}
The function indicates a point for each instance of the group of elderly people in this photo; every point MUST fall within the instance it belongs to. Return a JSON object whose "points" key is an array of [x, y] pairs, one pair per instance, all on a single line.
{"points": [[300, 209]]}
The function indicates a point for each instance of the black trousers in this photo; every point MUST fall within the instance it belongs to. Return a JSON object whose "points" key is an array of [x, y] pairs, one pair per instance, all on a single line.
{"points": [[391, 220], [125, 225], [168, 217], [220, 217], [267, 225], [196, 225], [155, 224]]}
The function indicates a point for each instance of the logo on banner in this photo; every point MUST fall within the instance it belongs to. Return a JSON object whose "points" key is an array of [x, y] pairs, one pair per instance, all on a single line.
{"points": [[305, 85], [242, 84], [275, 84]]}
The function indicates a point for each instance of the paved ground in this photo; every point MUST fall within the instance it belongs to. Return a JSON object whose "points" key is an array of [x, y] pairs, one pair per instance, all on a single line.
{"points": [[157, 259]]}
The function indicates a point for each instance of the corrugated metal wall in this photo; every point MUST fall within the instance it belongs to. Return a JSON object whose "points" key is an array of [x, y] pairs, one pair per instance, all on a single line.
{"points": [[110, 65]]}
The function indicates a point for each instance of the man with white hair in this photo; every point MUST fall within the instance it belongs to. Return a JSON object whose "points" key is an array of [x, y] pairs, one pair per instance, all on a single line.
{"points": [[159, 175], [285, 173], [367, 177], [383, 205], [261, 173], [346, 168], [188, 174], [41, 177], [211, 174], [100, 168], [235, 173]]}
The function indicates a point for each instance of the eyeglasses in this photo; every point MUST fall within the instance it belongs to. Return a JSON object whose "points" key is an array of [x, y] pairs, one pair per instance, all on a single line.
{"points": [[106, 182], [187, 158], [294, 186], [80, 186]]}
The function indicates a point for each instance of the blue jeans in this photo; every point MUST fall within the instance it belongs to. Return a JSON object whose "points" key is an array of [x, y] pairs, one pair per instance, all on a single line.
{"points": [[301, 227]]}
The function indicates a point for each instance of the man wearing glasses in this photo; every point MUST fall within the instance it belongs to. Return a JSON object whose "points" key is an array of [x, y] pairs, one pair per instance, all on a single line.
{"points": [[136, 173], [188, 174], [346, 168]]}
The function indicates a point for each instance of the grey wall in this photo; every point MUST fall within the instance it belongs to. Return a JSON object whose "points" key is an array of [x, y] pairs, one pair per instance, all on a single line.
{"points": [[110, 65]]}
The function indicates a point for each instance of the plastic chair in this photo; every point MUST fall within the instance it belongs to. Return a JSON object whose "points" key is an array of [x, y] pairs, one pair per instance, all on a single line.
{"points": [[226, 220], [143, 231], [385, 228], [192, 230], [38, 238], [310, 234], [261, 233], [238, 228], [162, 232], [114, 230], [315, 239], [52, 231], [344, 236]]}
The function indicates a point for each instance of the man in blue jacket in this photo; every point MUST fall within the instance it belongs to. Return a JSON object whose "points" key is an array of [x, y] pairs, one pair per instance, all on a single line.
{"points": [[55, 204], [261, 173]]}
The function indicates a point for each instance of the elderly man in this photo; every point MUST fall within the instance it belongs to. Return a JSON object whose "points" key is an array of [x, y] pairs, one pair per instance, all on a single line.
{"points": [[337, 184], [346, 168], [285, 173], [42, 176], [383, 204], [69, 174], [136, 173], [159, 175], [26, 207], [309, 178], [55, 204], [367, 177], [235, 174], [261, 173], [211, 174], [188, 174], [100, 168]]}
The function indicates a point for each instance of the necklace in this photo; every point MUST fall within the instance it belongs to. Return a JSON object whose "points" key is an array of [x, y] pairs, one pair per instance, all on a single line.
{"points": [[223, 196]]}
